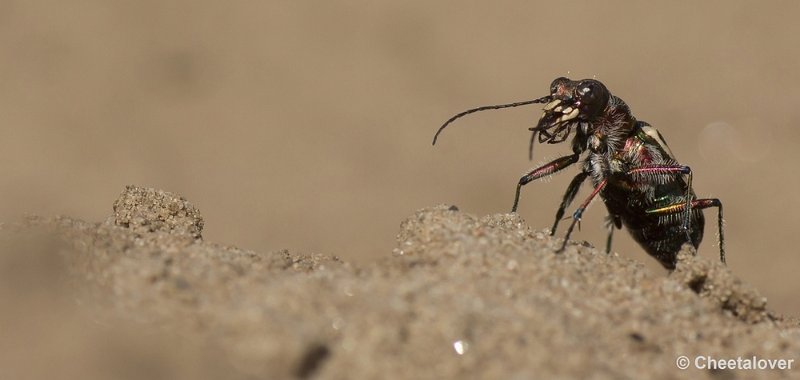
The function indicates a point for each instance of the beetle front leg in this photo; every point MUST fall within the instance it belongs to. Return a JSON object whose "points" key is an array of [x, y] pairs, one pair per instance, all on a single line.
{"points": [[544, 170], [698, 204]]}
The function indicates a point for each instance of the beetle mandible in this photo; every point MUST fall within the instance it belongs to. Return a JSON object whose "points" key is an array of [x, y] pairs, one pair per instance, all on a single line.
{"points": [[630, 165]]}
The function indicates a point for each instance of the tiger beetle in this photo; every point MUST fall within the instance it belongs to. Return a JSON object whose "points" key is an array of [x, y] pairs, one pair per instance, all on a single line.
{"points": [[633, 170]]}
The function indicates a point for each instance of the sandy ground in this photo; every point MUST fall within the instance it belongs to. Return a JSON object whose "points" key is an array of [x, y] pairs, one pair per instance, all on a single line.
{"points": [[143, 295], [301, 125], [305, 127]]}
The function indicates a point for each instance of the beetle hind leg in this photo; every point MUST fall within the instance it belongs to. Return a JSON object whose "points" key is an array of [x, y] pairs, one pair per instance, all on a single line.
{"points": [[698, 204]]}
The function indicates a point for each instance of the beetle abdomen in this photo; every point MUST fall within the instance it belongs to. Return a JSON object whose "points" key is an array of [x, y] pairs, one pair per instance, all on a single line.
{"points": [[662, 236]]}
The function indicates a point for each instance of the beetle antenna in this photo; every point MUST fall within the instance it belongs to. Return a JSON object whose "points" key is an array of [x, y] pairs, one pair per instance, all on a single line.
{"points": [[484, 108]]}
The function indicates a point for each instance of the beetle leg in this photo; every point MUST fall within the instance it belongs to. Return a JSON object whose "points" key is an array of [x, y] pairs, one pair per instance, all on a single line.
{"points": [[576, 217], [673, 169], [544, 170], [611, 222], [698, 204], [569, 195], [608, 239]]}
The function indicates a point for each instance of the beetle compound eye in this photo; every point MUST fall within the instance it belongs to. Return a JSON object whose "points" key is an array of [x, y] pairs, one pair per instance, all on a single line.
{"points": [[558, 82], [588, 91], [593, 97]]}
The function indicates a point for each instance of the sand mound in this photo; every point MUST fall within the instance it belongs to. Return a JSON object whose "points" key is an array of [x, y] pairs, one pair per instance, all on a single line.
{"points": [[141, 295]]}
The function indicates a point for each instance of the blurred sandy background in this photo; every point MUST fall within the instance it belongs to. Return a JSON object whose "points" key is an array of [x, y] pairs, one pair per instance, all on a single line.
{"points": [[307, 125]]}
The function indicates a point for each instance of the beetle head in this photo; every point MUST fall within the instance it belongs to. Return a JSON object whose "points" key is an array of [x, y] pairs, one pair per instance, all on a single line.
{"points": [[571, 102]]}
